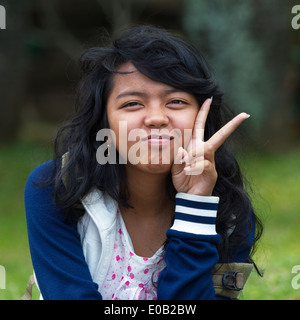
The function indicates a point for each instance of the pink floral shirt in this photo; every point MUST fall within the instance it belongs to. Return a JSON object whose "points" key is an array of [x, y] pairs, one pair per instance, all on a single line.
{"points": [[131, 277]]}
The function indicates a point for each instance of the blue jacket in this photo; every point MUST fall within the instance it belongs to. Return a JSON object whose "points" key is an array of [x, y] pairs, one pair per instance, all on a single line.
{"points": [[71, 261]]}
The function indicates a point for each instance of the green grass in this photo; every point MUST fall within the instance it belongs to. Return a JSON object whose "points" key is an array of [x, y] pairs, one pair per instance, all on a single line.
{"points": [[275, 179], [276, 183], [16, 163]]}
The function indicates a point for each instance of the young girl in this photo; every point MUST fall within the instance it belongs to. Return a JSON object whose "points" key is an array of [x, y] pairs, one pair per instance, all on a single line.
{"points": [[141, 229]]}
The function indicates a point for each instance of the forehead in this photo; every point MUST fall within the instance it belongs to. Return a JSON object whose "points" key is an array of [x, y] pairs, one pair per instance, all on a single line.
{"points": [[133, 79]]}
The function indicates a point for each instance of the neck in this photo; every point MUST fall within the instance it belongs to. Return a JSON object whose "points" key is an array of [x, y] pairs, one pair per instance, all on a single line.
{"points": [[148, 192], [152, 213]]}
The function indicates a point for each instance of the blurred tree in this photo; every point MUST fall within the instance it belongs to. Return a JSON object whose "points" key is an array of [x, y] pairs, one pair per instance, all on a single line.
{"points": [[54, 29], [38, 44], [14, 65], [122, 13], [247, 44], [19, 43]]}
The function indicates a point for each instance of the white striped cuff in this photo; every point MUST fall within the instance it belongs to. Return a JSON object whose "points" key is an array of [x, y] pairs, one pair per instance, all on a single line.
{"points": [[195, 214]]}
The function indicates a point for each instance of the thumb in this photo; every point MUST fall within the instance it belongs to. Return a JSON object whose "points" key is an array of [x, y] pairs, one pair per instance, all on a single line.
{"points": [[179, 161]]}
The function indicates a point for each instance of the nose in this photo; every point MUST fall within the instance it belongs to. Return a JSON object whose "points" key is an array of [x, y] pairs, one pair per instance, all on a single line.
{"points": [[156, 117]]}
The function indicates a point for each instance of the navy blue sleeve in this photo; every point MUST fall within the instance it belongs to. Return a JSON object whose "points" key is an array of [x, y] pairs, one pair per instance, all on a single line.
{"points": [[57, 256], [192, 252], [247, 232]]}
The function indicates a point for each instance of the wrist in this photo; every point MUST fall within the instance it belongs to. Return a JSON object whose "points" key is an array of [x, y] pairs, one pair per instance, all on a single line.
{"points": [[195, 213], [207, 192]]}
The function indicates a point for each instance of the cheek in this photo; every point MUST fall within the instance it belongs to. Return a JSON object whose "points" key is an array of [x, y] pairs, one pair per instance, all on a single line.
{"points": [[123, 130], [185, 126]]}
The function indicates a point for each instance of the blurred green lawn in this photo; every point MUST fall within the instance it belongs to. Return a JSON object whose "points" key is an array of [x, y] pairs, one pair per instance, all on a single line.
{"points": [[275, 179]]}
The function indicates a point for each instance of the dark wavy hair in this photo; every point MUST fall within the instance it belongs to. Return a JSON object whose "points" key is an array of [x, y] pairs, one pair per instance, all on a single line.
{"points": [[163, 57]]}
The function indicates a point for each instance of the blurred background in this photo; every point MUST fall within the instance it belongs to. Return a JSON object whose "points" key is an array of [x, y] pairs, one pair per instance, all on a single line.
{"points": [[254, 53]]}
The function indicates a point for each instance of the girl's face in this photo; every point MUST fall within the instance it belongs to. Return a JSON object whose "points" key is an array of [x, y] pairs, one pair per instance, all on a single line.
{"points": [[159, 111]]}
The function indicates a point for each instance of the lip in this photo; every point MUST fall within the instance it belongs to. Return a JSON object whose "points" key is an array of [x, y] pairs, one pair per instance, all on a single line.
{"points": [[160, 140], [156, 136]]}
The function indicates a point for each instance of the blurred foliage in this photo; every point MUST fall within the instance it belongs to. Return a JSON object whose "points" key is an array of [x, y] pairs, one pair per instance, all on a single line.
{"points": [[16, 162], [247, 44], [250, 45], [274, 179]]}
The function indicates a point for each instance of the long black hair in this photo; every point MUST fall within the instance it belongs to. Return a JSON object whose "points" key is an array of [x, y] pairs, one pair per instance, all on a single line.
{"points": [[166, 58]]}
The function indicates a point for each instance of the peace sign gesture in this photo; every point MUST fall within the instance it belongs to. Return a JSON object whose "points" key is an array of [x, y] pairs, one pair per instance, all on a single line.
{"points": [[197, 173]]}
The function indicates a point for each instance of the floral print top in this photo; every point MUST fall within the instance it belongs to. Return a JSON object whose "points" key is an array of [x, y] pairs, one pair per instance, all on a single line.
{"points": [[131, 277]]}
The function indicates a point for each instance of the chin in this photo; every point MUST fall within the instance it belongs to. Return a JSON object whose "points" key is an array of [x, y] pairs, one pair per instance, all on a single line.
{"points": [[159, 168], [154, 168]]}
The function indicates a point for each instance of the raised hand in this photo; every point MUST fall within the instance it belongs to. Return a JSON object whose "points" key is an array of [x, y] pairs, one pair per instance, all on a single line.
{"points": [[197, 173]]}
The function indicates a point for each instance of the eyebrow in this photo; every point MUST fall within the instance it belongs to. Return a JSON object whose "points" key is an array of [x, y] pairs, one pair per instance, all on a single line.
{"points": [[143, 94], [131, 93]]}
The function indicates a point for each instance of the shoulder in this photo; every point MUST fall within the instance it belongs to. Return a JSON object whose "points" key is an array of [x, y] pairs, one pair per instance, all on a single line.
{"points": [[41, 179], [39, 190], [41, 173], [37, 184]]}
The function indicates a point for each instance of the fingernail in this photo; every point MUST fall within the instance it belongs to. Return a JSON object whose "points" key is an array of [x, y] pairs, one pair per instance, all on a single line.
{"points": [[182, 161], [248, 116], [187, 168], [212, 98]]}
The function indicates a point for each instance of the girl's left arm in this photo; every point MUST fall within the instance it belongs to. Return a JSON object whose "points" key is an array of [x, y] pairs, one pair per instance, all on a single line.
{"points": [[192, 252]]}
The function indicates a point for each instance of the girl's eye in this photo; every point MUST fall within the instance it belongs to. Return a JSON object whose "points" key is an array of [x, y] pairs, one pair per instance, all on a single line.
{"points": [[177, 101], [131, 104]]}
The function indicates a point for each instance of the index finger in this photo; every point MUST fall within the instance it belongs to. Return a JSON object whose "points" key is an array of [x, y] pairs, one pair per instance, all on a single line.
{"points": [[201, 119], [221, 135]]}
